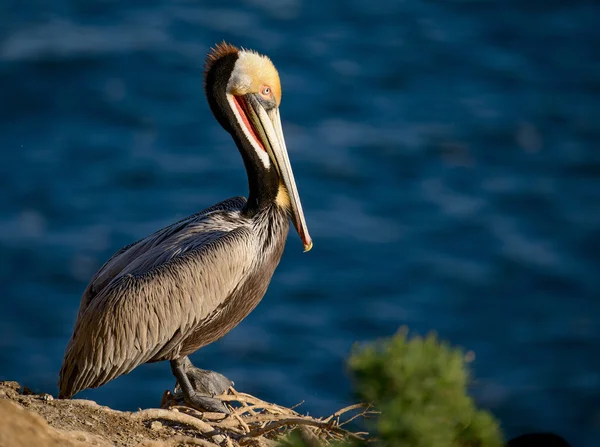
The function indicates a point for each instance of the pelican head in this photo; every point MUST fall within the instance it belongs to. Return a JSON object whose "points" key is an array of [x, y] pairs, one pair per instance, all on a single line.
{"points": [[244, 93]]}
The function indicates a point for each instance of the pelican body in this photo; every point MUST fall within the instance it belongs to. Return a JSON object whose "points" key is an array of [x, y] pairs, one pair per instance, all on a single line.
{"points": [[187, 285]]}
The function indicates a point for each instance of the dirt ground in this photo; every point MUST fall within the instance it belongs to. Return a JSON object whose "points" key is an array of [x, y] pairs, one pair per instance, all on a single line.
{"points": [[39, 420]]}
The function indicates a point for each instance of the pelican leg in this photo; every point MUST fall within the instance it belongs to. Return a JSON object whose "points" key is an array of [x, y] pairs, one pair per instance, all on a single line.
{"points": [[205, 382], [191, 396]]}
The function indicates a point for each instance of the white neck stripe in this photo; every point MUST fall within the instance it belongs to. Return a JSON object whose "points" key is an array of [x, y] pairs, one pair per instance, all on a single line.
{"points": [[262, 154]]}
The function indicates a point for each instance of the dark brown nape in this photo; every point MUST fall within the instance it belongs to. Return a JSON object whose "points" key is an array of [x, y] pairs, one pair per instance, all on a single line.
{"points": [[217, 70], [263, 183], [219, 51]]}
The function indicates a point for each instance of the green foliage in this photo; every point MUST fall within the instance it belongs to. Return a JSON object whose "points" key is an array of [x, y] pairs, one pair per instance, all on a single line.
{"points": [[420, 387]]}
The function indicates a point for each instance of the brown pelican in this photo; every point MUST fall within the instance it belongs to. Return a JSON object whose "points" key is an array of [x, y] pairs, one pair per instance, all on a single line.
{"points": [[187, 285]]}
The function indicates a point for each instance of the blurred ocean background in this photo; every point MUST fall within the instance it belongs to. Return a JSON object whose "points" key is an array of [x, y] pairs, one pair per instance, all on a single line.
{"points": [[447, 155]]}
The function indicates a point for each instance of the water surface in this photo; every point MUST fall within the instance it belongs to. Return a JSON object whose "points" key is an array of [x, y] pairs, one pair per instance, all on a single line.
{"points": [[447, 155]]}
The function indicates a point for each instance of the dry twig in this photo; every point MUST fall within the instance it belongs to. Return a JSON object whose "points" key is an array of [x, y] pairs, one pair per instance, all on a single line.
{"points": [[254, 422]]}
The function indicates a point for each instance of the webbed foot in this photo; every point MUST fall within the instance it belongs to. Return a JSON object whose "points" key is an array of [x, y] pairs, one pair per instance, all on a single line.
{"points": [[205, 382], [199, 386], [205, 403]]}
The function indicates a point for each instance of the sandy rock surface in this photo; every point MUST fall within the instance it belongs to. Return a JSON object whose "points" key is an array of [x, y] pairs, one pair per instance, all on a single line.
{"points": [[39, 420]]}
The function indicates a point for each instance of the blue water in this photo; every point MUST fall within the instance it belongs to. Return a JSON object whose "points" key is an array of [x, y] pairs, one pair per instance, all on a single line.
{"points": [[447, 155]]}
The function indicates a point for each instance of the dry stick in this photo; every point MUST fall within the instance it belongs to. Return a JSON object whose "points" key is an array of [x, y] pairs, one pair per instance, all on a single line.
{"points": [[271, 409], [242, 423], [188, 410], [269, 419], [216, 419], [244, 404], [296, 406], [182, 418], [230, 425], [242, 397], [262, 418], [363, 414], [227, 423], [266, 418], [240, 411], [345, 410], [294, 421]]}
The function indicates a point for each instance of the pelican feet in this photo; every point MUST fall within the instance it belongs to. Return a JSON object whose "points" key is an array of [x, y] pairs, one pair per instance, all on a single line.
{"points": [[205, 403], [205, 382], [199, 386]]}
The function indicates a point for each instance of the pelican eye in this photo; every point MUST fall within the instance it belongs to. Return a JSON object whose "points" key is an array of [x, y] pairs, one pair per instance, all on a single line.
{"points": [[266, 91]]}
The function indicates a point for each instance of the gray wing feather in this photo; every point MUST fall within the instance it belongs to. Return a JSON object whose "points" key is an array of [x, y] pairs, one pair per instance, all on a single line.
{"points": [[127, 254], [151, 291]]}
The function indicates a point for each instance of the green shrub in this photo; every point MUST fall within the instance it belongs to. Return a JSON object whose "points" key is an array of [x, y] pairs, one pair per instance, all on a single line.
{"points": [[420, 387]]}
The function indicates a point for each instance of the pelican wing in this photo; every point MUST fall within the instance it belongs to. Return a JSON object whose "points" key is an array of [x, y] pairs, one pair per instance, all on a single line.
{"points": [[160, 289], [122, 258]]}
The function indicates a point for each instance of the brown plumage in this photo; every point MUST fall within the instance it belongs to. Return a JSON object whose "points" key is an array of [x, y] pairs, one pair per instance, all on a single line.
{"points": [[219, 51], [142, 306], [187, 285]]}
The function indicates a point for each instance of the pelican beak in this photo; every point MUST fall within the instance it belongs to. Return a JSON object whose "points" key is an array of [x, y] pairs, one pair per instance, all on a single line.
{"points": [[268, 127]]}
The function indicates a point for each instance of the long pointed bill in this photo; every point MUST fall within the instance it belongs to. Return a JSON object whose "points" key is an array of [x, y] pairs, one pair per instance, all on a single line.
{"points": [[268, 127]]}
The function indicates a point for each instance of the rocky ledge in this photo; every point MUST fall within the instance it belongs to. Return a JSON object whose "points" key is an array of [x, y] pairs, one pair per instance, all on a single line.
{"points": [[30, 419]]}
